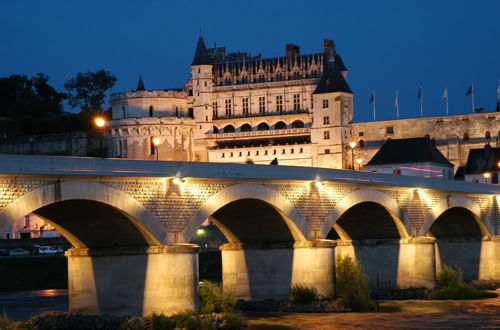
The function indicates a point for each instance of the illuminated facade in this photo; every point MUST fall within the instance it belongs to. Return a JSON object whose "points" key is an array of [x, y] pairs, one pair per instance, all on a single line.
{"points": [[295, 109]]}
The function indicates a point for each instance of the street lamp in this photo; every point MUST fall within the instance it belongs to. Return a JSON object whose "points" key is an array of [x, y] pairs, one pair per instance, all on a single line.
{"points": [[100, 123], [352, 144], [359, 161], [486, 175], [156, 142]]}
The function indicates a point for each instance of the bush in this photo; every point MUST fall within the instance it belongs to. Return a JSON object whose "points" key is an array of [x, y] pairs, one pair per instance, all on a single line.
{"points": [[449, 277], [233, 321], [351, 285], [302, 294], [213, 300], [6, 323]]}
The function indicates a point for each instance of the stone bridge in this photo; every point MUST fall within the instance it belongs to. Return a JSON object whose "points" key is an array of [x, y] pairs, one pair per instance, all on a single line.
{"points": [[131, 222]]}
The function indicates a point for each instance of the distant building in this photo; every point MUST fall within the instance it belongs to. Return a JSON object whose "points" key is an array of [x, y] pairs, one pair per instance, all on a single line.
{"points": [[31, 226], [483, 165], [414, 157]]}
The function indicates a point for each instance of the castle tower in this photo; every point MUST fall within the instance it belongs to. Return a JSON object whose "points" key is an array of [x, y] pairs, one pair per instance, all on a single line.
{"points": [[202, 80], [332, 114]]}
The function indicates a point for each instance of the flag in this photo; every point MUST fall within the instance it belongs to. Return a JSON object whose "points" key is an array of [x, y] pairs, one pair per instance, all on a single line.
{"points": [[372, 98], [419, 95], [445, 93], [396, 100], [469, 91]]}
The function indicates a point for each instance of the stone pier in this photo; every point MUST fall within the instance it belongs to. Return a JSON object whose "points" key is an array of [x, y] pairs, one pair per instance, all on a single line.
{"points": [[134, 280]]}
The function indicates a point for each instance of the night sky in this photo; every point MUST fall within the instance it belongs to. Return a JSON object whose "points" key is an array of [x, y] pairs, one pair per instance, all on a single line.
{"points": [[386, 45]]}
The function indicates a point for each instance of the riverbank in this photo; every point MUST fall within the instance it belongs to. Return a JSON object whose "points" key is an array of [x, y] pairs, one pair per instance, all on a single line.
{"points": [[403, 314]]}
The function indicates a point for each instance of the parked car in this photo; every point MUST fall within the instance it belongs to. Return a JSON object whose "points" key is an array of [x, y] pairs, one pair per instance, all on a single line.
{"points": [[47, 250], [18, 253]]}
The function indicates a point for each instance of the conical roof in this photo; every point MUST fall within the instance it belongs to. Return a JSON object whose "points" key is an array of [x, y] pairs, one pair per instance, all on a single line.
{"points": [[332, 79], [201, 54], [140, 85]]}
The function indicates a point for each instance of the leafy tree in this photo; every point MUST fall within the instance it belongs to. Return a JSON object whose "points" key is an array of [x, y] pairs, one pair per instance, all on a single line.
{"points": [[88, 89], [22, 96]]}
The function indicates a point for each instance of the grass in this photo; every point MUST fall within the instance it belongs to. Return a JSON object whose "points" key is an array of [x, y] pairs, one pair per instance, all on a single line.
{"points": [[213, 300], [302, 294]]}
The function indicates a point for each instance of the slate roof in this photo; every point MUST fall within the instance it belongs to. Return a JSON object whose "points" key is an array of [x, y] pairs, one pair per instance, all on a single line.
{"points": [[483, 160], [201, 53], [140, 85], [414, 150], [332, 79]]}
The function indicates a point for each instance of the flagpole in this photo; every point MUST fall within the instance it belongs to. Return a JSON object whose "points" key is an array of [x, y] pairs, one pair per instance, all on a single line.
{"points": [[374, 101], [397, 104], [472, 96], [446, 99], [421, 102]]}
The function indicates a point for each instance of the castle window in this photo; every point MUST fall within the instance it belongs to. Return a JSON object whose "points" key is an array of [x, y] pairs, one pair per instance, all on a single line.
{"points": [[215, 111], [263, 127], [191, 113], [274, 152], [198, 70], [216, 130], [279, 103], [190, 92], [265, 153], [301, 150], [283, 151], [292, 151], [152, 146], [239, 155], [229, 129], [124, 115], [389, 130], [248, 153], [223, 155], [280, 125], [231, 154], [325, 104], [487, 135], [244, 102], [312, 103], [466, 136], [361, 133], [297, 124], [361, 143], [262, 104], [257, 153], [326, 120], [229, 107], [326, 135], [245, 128], [177, 112], [150, 111], [327, 151], [296, 102], [206, 84]]}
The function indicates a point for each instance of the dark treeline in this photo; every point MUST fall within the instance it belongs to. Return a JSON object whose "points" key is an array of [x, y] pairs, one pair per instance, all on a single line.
{"points": [[30, 105]]}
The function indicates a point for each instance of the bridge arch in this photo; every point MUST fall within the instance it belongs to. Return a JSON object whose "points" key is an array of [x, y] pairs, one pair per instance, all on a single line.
{"points": [[295, 222], [463, 202], [76, 196], [403, 226]]}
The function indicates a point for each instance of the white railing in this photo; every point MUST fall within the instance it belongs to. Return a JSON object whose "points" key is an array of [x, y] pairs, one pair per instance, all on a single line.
{"points": [[258, 133]]}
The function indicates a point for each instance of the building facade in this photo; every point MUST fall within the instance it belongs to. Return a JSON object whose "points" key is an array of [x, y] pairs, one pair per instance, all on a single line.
{"points": [[294, 109]]}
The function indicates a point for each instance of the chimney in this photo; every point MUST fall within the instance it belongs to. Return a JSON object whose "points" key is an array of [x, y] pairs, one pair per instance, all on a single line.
{"points": [[327, 46], [292, 50]]}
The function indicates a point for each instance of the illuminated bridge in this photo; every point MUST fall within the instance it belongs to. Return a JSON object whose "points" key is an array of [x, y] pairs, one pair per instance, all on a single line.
{"points": [[130, 223]]}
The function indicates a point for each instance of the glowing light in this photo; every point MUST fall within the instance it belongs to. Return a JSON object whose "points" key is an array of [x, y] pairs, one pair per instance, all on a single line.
{"points": [[359, 161], [352, 144], [420, 191], [421, 169], [156, 141], [99, 122], [486, 175], [178, 180], [200, 232], [498, 164], [318, 183]]}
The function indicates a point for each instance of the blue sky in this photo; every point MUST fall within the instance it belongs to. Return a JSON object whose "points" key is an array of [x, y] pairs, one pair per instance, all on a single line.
{"points": [[386, 45]]}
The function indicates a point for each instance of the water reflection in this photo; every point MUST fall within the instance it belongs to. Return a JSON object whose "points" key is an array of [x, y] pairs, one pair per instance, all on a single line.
{"points": [[24, 304]]}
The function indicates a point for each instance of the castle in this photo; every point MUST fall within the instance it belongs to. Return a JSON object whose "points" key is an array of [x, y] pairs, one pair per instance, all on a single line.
{"points": [[294, 109]]}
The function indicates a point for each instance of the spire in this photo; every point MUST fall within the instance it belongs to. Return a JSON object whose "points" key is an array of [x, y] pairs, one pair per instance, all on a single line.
{"points": [[332, 80], [201, 54], [140, 84]]}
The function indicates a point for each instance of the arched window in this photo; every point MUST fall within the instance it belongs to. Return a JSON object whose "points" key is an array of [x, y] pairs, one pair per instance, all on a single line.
{"points": [[229, 129], [263, 127], [245, 128], [297, 124], [361, 143], [216, 130], [487, 135], [150, 111], [280, 125], [466, 136], [427, 136]]}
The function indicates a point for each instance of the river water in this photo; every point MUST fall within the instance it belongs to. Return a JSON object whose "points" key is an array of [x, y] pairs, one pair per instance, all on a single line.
{"points": [[24, 304]]}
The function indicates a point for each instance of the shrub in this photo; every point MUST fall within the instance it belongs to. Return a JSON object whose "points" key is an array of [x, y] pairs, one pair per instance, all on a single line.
{"points": [[213, 300], [351, 285], [233, 321], [449, 277], [463, 291], [302, 294], [6, 323]]}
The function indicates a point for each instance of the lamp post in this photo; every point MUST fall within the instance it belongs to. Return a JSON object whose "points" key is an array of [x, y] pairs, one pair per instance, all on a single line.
{"points": [[486, 175], [100, 123], [156, 142], [352, 144], [359, 161]]}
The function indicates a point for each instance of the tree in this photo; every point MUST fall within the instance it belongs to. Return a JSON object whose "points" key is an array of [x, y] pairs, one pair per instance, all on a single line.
{"points": [[88, 89], [23, 96]]}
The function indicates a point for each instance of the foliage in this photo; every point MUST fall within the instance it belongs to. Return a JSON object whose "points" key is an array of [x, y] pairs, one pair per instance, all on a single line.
{"points": [[449, 277], [88, 89], [463, 291], [213, 300], [21, 96], [302, 294], [233, 321], [351, 285], [6, 323], [485, 284]]}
